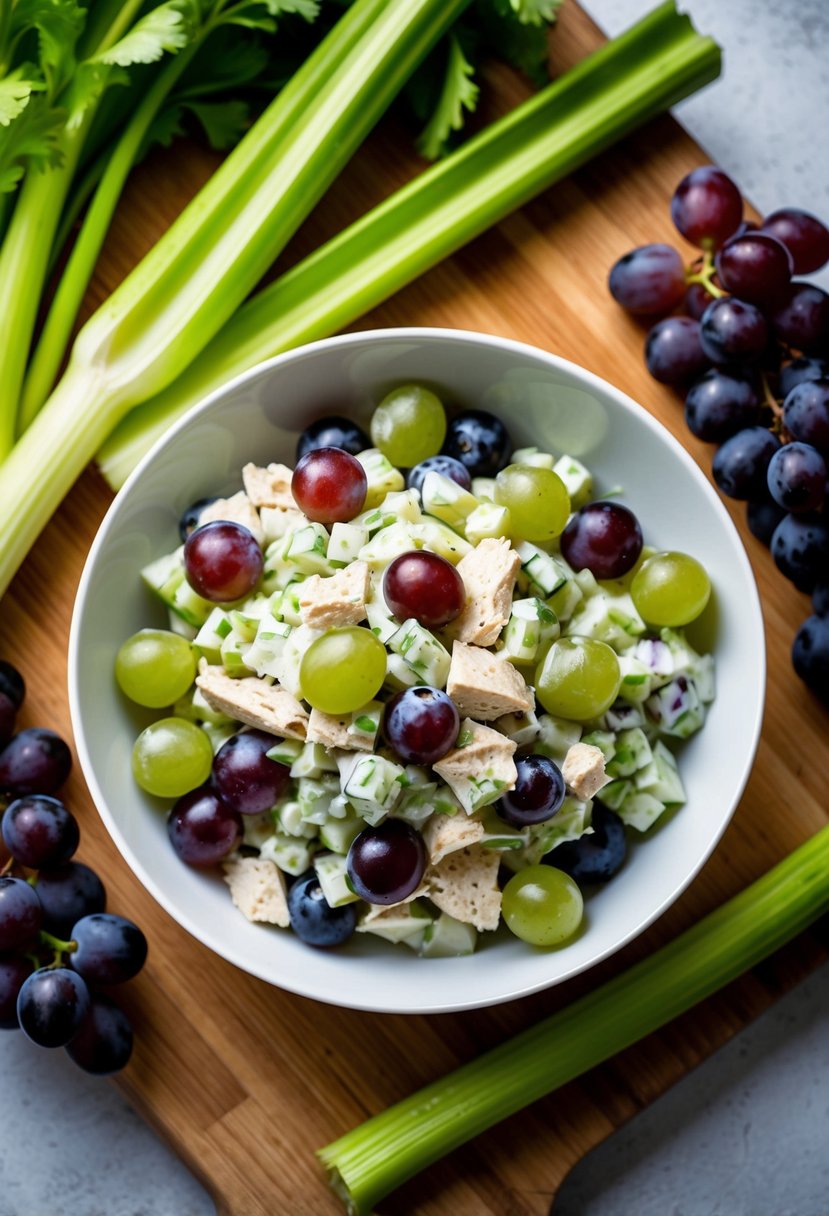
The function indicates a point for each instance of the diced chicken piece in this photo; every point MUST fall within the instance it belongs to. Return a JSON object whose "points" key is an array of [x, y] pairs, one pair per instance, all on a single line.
{"points": [[239, 510], [270, 487], [583, 770], [257, 887], [445, 834], [331, 731], [379, 912], [253, 701], [481, 768], [488, 574], [484, 685], [339, 599], [465, 885]]}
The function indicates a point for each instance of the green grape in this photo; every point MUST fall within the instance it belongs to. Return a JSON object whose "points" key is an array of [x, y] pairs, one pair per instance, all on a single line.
{"points": [[171, 757], [408, 425], [155, 667], [542, 906], [670, 589], [538, 502], [343, 670], [578, 678]]}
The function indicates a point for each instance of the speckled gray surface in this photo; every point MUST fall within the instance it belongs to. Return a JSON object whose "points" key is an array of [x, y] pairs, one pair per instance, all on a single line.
{"points": [[745, 1135]]}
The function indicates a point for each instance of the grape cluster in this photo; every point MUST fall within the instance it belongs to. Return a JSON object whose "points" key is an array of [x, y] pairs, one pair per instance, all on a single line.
{"points": [[750, 352], [59, 950]]}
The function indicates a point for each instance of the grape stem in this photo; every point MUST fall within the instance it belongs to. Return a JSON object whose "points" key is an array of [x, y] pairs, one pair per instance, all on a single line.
{"points": [[703, 271], [6, 867], [777, 411], [48, 939]]}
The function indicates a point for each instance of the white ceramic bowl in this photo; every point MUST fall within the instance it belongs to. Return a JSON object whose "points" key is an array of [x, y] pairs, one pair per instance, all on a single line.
{"points": [[544, 400]]}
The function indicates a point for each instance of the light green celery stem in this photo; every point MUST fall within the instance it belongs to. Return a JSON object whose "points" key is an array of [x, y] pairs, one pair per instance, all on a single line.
{"points": [[370, 1161], [656, 63]]}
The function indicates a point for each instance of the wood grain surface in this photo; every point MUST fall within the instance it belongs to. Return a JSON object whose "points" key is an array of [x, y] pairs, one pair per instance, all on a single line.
{"points": [[245, 1081]]}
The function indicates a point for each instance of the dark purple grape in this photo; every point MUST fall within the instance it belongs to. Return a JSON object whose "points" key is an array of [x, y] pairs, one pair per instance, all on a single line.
{"points": [[755, 267], [222, 561], [706, 207], [313, 919], [800, 548], [246, 779], [740, 466], [805, 237], [733, 332], [720, 404], [332, 432], [673, 352], [538, 794], [697, 299], [797, 477], [202, 829], [14, 971], [820, 598], [810, 655], [806, 413], [110, 949], [480, 441], [421, 724], [425, 586], [763, 518], [103, 1044], [51, 1006], [8, 716], [39, 831], [21, 914], [801, 317], [595, 857], [604, 538], [386, 863], [798, 370], [66, 894], [36, 761], [12, 684], [648, 281], [189, 520], [447, 466]]}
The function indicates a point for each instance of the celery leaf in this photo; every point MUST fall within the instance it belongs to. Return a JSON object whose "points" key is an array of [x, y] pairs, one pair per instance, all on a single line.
{"points": [[513, 38], [224, 122], [15, 92], [31, 140], [458, 93], [57, 23], [167, 28], [263, 14], [536, 12]]}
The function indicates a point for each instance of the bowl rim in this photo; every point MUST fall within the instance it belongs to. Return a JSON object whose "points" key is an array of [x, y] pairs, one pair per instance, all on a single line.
{"points": [[310, 989]]}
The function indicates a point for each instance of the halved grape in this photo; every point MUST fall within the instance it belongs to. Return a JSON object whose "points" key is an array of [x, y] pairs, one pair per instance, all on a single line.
{"points": [[578, 678], [170, 757], [543, 906], [343, 670], [408, 425], [670, 589], [537, 499], [155, 667]]}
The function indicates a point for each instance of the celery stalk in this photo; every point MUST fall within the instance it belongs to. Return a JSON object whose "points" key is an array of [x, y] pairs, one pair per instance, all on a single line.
{"points": [[656, 63], [370, 1161]]}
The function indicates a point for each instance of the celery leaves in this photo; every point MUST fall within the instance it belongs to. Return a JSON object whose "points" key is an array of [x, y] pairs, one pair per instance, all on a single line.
{"points": [[458, 93], [166, 28], [30, 141], [15, 91]]}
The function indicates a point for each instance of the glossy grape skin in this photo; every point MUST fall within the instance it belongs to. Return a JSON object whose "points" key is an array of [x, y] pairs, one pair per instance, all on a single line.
{"points": [[171, 757], [578, 678], [52, 1005], [820, 598], [800, 548], [696, 300], [421, 724], [447, 466], [247, 780], [36, 761], [480, 441], [190, 517], [343, 670], [542, 906], [706, 207], [329, 485], [806, 414], [797, 477], [202, 829], [673, 352], [670, 589], [312, 918], [720, 404], [222, 561], [332, 432], [799, 370], [408, 425], [12, 684], [67, 893], [155, 667], [604, 538], [103, 1043], [386, 863], [14, 971], [649, 280], [755, 267], [39, 831], [425, 586], [803, 234], [537, 500], [732, 331], [538, 794], [110, 949], [21, 913], [763, 517], [740, 466], [810, 655], [801, 317], [595, 857]]}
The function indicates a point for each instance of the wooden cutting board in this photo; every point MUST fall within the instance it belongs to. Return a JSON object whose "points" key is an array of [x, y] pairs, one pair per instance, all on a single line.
{"points": [[245, 1081]]}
